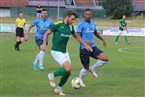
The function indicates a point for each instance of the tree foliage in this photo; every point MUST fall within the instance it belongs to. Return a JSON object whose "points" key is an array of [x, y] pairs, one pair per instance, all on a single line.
{"points": [[117, 8]]}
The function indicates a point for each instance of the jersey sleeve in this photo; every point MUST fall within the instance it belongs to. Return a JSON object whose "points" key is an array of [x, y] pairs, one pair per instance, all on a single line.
{"points": [[79, 28], [120, 21], [34, 23], [16, 20], [54, 27], [24, 21]]}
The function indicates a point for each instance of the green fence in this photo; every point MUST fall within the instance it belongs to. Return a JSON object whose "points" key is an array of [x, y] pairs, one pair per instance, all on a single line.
{"points": [[53, 12]]}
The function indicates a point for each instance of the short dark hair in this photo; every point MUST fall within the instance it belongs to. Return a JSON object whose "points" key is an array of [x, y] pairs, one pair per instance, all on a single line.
{"points": [[44, 9], [71, 12], [21, 12], [87, 9]]}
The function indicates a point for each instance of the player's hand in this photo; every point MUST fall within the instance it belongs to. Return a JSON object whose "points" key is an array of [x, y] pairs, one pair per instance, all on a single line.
{"points": [[43, 47], [104, 44], [26, 38], [88, 46]]}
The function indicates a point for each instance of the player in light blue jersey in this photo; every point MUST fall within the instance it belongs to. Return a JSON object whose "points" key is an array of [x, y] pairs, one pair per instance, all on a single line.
{"points": [[87, 29], [42, 24]]}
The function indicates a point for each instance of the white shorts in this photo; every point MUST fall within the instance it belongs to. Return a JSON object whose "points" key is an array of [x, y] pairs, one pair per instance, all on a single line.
{"points": [[122, 33], [60, 57]]}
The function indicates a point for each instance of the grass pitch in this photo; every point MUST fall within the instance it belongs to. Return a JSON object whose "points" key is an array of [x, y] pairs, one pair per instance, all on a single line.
{"points": [[122, 76]]}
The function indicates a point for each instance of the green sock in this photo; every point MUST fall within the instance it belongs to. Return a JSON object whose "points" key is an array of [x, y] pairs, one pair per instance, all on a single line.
{"points": [[60, 72], [117, 37], [126, 39], [63, 79]]}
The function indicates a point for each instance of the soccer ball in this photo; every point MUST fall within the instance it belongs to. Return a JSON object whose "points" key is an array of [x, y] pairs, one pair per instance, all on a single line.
{"points": [[76, 83]]}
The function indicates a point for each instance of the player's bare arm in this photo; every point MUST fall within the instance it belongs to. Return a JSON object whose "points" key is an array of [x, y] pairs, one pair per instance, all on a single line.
{"points": [[126, 29], [101, 38], [45, 38], [121, 26], [28, 32], [79, 39]]}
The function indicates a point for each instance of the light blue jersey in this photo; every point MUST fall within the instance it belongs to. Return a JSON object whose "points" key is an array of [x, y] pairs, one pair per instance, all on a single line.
{"points": [[86, 30], [42, 27]]}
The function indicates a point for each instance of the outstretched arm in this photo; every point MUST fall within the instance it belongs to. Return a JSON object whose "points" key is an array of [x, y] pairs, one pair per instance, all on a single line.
{"points": [[45, 38], [27, 33], [101, 38], [79, 39]]}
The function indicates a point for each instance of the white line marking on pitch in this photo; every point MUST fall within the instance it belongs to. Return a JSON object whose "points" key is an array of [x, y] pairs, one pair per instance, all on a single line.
{"points": [[122, 50]]}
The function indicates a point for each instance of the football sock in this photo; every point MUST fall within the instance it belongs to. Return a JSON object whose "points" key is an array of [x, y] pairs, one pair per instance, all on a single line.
{"points": [[117, 37], [60, 72], [58, 87], [82, 73], [98, 64], [126, 39], [17, 44], [63, 80], [41, 57], [37, 58]]}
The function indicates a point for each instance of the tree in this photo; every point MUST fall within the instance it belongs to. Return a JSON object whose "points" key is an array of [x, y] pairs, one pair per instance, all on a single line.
{"points": [[117, 8]]}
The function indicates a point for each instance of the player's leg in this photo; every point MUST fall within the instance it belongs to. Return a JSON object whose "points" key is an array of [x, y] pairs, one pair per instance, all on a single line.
{"points": [[18, 39], [117, 37], [21, 37], [85, 60], [126, 38], [102, 59], [40, 55], [64, 60], [63, 79], [35, 62], [17, 43]]}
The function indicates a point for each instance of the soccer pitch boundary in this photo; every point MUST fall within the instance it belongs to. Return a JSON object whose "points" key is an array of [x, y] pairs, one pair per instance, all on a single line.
{"points": [[122, 50]]}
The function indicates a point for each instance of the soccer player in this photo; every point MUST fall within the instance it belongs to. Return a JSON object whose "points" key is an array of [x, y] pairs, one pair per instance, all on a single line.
{"points": [[20, 28], [42, 24], [62, 31], [87, 29], [122, 30]]}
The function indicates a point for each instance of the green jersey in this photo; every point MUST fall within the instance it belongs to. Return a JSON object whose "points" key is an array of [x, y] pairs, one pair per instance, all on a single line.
{"points": [[61, 35], [123, 24]]}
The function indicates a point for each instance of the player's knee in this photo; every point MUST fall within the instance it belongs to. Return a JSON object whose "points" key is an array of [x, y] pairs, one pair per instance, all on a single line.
{"points": [[106, 59], [22, 39], [68, 73], [86, 67], [103, 57], [68, 70]]}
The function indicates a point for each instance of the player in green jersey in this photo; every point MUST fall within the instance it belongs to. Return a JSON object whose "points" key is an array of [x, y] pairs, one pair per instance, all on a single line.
{"points": [[122, 30], [62, 31]]}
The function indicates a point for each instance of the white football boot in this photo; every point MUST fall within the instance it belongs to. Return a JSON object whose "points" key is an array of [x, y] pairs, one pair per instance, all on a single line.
{"points": [[83, 85], [51, 80], [59, 92], [93, 72]]}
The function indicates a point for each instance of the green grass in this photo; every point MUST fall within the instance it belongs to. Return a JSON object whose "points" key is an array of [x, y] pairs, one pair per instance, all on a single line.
{"points": [[122, 76]]}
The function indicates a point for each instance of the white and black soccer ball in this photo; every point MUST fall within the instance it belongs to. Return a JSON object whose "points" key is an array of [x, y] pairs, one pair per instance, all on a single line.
{"points": [[76, 83]]}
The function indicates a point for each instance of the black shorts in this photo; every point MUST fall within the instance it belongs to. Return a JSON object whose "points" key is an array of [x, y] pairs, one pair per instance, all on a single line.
{"points": [[19, 32], [85, 55]]}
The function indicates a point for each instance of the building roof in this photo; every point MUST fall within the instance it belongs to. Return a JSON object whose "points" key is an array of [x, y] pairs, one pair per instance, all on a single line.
{"points": [[12, 3]]}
